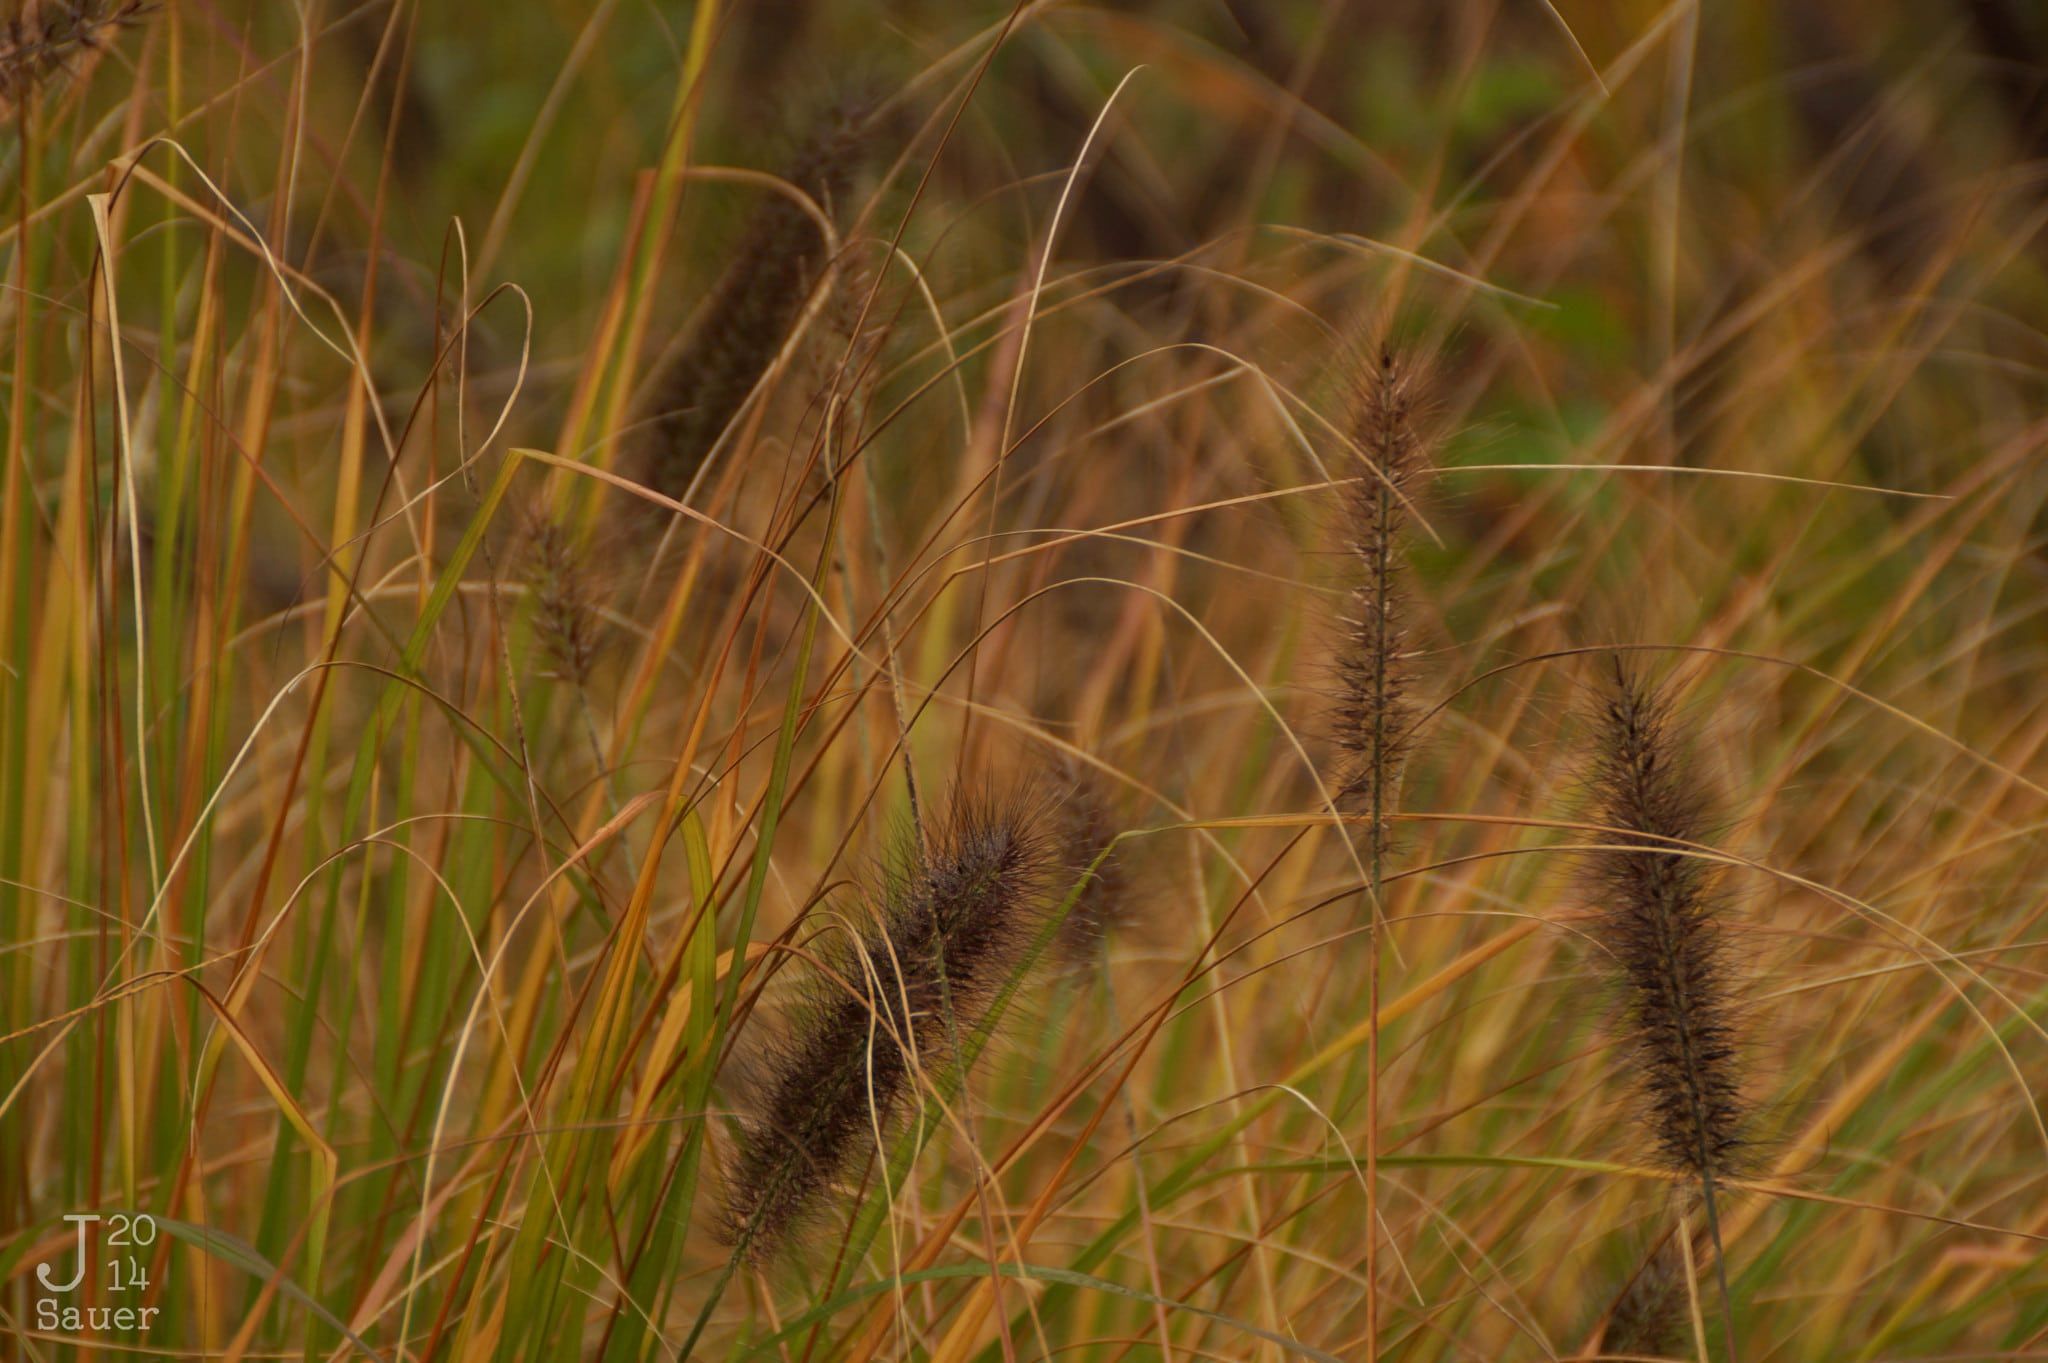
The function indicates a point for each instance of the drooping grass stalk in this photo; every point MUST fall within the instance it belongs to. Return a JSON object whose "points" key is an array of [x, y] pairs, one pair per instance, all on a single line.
{"points": [[741, 328], [1086, 856], [1052, 936], [1660, 921], [958, 914], [955, 917]]}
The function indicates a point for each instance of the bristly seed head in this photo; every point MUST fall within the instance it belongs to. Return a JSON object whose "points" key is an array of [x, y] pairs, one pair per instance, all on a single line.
{"points": [[568, 620], [743, 326], [1659, 918], [1375, 717], [1648, 1318], [31, 51], [1083, 831], [956, 918]]}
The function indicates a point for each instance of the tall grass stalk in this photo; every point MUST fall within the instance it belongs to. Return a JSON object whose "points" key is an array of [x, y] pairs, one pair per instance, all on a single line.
{"points": [[402, 906]]}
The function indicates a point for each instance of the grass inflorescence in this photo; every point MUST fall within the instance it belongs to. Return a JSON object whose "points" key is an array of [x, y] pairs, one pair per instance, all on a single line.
{"points": [[956, 913], [568, 599], [1660, 923], [44, 40], [1376, 713], [665, 718], [1649, 1317], [739, 330], [1094, 869]]}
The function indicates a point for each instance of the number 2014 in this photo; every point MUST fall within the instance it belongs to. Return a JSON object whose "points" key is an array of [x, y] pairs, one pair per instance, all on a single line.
{"points": [[131, 1230]]}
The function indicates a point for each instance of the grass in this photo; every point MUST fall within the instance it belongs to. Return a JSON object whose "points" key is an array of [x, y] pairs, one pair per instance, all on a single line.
{"points": [[547, 552]]}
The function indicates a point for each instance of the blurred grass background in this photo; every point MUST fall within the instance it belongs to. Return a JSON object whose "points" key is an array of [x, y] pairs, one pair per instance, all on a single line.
{"points": [[411, 981]]}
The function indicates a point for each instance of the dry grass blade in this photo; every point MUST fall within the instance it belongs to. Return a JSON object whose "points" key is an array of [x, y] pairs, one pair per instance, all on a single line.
{"points": [[1225, 421]]}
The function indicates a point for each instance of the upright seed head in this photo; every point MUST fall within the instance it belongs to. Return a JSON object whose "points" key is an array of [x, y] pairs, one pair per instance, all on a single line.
{"points": [[568, 619], [1375, 716], [1660, 920]]}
